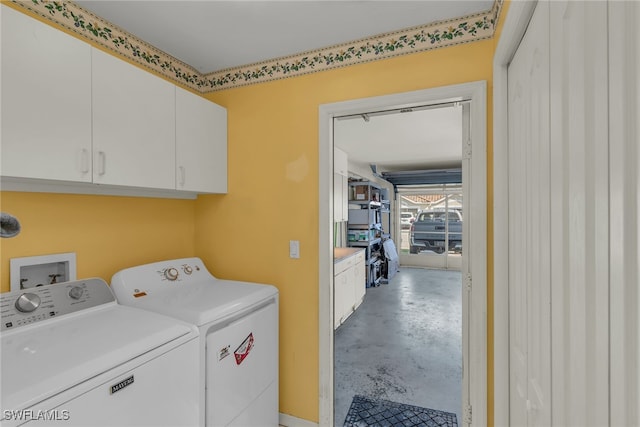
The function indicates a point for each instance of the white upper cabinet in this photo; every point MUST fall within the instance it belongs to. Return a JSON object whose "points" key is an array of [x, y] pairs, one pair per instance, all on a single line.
{"points": [[75, 116], [46, 101], [133, 125], [201, 144]]}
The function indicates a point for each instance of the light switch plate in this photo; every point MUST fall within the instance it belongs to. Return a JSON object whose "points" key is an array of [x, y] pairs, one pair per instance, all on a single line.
{"points": [[294, 249]]}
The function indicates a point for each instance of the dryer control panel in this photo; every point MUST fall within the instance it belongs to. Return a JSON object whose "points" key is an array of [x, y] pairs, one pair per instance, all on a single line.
{"points": [[184, 269], [136, 283], [29, 306]]}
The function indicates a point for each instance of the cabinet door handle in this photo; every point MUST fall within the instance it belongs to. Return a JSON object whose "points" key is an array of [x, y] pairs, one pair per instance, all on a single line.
{"points": [[182, 175], [102, 163], [84, 160]]}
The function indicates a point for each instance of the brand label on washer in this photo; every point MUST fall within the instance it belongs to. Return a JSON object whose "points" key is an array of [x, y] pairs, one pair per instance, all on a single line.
{"points": [[243, 350], [224, 352], [122, 384]]}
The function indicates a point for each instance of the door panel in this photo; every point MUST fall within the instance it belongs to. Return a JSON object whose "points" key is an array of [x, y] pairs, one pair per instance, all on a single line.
{"points": [[579, 203], [558, 218], [624, 184], [529, 219]]}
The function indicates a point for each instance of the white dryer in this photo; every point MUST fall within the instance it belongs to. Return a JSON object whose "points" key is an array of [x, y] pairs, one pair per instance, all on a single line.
{"points": [[238, 323], [72, 356]]}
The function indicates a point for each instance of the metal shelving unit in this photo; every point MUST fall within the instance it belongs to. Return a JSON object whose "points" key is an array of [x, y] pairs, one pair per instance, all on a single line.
{"points": [[365, 225]]}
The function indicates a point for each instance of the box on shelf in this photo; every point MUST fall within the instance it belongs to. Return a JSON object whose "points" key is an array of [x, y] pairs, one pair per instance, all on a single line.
{"points": [[360, 235], [364, 216], [361, 192]]}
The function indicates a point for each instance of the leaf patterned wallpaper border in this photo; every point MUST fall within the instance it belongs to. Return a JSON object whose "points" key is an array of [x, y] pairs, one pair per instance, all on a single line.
{"points": [[437, 35]]}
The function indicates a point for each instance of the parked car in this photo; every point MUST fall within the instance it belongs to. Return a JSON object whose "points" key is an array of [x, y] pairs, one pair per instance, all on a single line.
{"points": [[428, 231], [406, 219]]}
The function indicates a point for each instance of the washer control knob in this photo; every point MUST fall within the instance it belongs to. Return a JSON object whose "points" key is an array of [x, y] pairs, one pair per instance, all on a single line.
{"points": [[76, 292], [28, 302], [187, 269], [171, 273]]}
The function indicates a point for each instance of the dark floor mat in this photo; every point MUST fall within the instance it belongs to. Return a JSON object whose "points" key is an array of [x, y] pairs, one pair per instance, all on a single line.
{"points": [[365, 411]]}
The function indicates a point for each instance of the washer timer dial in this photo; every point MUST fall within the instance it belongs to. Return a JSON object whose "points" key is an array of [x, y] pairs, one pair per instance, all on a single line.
{"points": [[171, 273], [28, 302], [76, 292]]}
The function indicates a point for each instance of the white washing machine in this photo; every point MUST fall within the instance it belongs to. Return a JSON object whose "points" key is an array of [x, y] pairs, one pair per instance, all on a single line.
{"points": [[238, 323], [72, 356]]}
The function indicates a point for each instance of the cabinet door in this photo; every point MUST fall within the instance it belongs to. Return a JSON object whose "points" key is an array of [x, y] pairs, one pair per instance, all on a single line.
{"points": [[350, 302], [359, 279], [133, 125], [201, 144], [341, 297], [46, 101]]}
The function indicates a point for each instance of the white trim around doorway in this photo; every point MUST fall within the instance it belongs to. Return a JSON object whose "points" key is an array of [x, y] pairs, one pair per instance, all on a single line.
{"points": [[475, 286]]}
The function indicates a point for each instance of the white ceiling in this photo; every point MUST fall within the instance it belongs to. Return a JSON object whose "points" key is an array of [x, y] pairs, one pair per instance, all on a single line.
{"points": [[211, 35], [414, 140]]}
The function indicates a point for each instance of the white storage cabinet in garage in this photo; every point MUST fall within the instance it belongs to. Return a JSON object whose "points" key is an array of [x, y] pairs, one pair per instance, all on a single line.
{"points": [[349, 284]]}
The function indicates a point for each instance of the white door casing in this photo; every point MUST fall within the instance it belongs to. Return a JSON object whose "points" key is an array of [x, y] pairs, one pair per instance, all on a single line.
{"points": [[475, 337]]}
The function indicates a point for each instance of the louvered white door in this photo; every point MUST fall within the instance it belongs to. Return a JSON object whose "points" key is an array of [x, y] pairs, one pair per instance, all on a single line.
{"points": [[580, 212], [573, 264], [624, 208], [529, 226]]}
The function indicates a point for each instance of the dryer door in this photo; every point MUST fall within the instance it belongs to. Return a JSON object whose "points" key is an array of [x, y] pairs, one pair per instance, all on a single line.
{"points": [[242, 370]]}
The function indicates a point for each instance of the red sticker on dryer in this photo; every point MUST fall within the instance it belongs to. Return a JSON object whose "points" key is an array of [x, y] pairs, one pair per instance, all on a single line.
{"points": [[243, 350]]}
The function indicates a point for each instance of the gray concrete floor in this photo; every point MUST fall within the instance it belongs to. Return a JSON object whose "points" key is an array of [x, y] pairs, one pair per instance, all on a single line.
{"points": [[404, 344]]}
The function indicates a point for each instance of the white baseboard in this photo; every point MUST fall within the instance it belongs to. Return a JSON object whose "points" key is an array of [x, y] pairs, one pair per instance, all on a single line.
{"points": [[291, 421]]}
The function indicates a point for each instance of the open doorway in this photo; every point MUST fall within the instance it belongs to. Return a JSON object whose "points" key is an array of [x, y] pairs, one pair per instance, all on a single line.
{"points": [[473, 297], [402, 342]]}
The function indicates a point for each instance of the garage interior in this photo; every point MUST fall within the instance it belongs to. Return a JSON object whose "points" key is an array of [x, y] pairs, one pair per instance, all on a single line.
{"points": [[403, 341]]}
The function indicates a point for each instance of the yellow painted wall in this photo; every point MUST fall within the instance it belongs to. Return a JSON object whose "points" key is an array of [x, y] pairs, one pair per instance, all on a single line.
{"points": [[273, 189], [107, 233]]}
